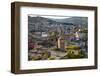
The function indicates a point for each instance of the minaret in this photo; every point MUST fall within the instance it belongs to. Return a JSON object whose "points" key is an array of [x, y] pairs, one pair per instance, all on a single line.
{"points": [[77, 35], [59, 43]]}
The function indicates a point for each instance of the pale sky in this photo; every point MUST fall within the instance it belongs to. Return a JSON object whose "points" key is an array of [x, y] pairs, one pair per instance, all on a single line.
{"points": [[50, 16]]}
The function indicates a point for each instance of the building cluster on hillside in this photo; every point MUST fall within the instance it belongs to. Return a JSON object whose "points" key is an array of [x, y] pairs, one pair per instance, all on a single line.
{"points": [[63, 32]]}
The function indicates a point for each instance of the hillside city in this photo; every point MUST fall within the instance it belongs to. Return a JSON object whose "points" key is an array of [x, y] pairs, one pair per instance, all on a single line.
{"points": [[52, 39]]}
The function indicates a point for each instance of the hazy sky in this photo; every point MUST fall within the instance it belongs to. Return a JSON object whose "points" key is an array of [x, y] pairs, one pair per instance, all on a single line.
{"points": [[50, 16]]}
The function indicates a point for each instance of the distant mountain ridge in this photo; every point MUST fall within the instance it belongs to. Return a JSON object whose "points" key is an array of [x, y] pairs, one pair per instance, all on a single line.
{"points": [[43, 23], [74, 20]]}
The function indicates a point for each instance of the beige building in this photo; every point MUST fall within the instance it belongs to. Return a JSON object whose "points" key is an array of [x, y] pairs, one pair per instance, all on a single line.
{"points": [[61, 42]]}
